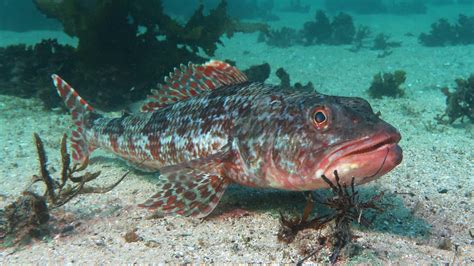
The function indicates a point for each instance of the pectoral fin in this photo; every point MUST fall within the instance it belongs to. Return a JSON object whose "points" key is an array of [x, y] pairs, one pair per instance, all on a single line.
{"points": [[189, 192]]}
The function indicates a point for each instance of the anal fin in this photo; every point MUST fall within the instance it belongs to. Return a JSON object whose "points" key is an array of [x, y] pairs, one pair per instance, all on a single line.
{"points": [[188, 192]]}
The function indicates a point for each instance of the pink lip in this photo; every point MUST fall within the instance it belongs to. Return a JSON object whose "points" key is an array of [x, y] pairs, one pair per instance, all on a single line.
{"points": [[373, 155]]}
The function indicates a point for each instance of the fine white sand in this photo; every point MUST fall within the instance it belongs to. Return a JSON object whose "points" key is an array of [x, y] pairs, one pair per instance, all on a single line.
{"points": [[419, 222]]}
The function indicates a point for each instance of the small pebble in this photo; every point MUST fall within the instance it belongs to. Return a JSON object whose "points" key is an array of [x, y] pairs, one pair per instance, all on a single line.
{"points": [[446, 244], [67, 228], [443, 191], [152, 244], [132, 236]]}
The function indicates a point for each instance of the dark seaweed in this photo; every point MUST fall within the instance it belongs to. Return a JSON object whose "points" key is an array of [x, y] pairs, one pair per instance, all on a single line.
{"points": [[28, 216], [346, 208], [343, 29], [125, 47], [258, 73], [283, 38], [338, 31], [444, 33], [25, 70], [317, 31], [285, 81], [460, 103], [360, 38], [382, 42], [387, 84]]}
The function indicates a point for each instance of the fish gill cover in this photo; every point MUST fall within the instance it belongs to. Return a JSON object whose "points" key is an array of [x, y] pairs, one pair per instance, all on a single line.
{"points": [[125, 47]]}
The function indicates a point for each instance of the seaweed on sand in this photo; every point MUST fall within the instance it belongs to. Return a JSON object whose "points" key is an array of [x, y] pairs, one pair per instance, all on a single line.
{"points": [[124, 48], [285, 81], [317, 31], [28, 216], [25, 70], [443, 33], [346, 208], [382, 42], [322, 30], [362, 33], [387, 84], [460, 103], [258, 73], [339, 30], [343, 29], [283, 37]]}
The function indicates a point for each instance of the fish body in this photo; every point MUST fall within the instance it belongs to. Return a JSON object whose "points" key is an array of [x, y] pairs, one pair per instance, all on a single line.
{"points": [[207, 127]]}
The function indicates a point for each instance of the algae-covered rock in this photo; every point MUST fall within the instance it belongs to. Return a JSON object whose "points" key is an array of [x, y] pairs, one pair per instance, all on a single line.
{"points": [[24, 219], [387, 84]]}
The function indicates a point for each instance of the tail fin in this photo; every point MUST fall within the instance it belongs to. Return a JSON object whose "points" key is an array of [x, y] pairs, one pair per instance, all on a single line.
{"points": [[79, 109]]}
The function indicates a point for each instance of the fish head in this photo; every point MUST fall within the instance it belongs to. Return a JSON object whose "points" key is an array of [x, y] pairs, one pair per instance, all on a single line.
{"points": [[315, 135]]}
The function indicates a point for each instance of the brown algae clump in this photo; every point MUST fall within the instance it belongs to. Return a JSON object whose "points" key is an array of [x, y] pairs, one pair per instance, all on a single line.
{"points": [[27, 217], [387, 84], [460, 103]]}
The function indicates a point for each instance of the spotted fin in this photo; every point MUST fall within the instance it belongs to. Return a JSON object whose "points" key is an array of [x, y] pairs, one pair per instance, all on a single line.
{"points": [[79, 109], [192, 80], [188, 192]]}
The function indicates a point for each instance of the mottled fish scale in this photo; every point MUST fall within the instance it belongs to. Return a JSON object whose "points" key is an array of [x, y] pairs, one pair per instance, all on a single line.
{"points": [[206, 126]]}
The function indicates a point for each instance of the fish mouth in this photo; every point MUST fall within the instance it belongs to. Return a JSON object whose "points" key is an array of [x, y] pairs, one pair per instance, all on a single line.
{"points": [[366, 158]]}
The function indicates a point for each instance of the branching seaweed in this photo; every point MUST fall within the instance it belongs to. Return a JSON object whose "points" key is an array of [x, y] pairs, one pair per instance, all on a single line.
{"points": [[444, 33], [382, 42], [347, 208], [124, 48], [285, 81], [28, 216], [460, 103], [59, 192], [387, 84]]}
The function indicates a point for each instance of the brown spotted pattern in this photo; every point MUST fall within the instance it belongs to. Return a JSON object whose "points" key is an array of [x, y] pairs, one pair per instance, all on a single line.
{"points": [[187, 192], [203, 136]]}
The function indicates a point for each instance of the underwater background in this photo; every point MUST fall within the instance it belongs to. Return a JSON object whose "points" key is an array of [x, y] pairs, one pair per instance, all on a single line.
{"points": [[413, 60]]}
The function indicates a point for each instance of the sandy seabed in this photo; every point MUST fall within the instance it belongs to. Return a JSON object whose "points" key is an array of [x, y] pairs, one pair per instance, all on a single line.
{"points": [[419, 226]]}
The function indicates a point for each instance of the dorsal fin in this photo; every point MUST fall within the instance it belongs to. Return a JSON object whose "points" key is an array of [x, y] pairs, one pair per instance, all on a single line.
{"points": [[192, 80]]}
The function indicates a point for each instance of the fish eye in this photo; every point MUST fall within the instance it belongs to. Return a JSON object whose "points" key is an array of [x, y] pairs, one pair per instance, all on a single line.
{"points": [[320, 117]]}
